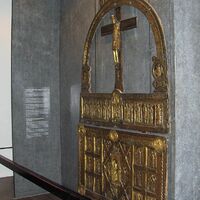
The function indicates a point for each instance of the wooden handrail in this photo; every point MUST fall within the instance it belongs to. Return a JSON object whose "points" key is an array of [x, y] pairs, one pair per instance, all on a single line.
{"points": [[48, 185]]}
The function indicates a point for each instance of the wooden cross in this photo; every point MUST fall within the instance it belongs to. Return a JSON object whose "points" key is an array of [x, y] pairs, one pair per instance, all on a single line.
{"points": [[107, 30]]}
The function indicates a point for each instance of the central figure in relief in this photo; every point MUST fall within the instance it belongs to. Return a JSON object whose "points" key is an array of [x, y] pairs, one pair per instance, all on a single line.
{"points": [[116, 46]]}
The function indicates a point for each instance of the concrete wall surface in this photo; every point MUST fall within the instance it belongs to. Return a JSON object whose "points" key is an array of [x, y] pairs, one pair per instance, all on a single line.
{"points": [[187, 93], [35, 67]]}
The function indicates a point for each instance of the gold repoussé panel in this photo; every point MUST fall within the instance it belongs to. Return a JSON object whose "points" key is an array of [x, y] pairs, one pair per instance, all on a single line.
{"points": [[122, 166], [133, 111]]}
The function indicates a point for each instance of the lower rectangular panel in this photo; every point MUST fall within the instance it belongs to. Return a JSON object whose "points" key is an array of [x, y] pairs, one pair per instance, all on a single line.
{"points": [[122, 166]]}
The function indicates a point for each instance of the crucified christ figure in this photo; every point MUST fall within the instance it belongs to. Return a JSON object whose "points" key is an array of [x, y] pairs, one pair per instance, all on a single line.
{"points": [[116, 46]]}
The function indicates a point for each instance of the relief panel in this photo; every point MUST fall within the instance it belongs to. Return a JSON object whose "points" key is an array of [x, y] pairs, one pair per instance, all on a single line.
{"points": [[119, 165], [130, 111]]}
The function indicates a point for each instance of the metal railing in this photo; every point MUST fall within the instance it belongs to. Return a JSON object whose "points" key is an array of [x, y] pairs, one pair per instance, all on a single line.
{"points": [[48, 185]]}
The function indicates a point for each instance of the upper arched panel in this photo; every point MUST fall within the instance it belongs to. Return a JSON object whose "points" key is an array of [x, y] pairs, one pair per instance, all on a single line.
{"points": [[159, 61], [143, 112], [141, 5]]}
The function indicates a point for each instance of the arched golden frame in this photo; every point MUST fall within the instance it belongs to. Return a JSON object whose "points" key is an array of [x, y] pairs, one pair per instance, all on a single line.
{"points": [[144, 112]]}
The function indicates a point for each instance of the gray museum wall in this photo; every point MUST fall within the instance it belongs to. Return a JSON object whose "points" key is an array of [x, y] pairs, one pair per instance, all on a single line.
{"points": [[48, 40], [35, 64], [76, 17], [187, 94]]}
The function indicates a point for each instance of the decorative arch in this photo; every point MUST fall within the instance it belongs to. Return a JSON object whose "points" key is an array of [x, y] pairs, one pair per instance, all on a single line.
{"points": [[143, 112], [159, 69]]}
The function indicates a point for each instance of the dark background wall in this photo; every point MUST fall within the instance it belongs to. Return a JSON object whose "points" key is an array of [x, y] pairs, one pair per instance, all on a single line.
{"points": [[35, 64]]}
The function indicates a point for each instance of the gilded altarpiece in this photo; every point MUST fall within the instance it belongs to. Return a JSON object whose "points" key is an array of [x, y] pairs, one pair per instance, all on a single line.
{"points": [[116, 164]]}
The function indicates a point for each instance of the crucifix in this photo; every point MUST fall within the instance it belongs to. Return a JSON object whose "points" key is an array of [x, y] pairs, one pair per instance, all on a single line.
{"points": [[115, 29]]}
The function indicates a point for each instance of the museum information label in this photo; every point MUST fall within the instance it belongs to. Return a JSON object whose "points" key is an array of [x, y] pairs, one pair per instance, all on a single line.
{"points": [[37, 110]]}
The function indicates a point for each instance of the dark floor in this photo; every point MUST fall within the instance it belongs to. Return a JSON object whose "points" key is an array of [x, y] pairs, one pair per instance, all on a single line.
{"points": [[6, 191], [42, 197], [6, 188]]}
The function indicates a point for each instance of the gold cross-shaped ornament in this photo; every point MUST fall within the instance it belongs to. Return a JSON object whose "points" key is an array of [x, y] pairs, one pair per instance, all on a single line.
{"points": [[115, 29]]}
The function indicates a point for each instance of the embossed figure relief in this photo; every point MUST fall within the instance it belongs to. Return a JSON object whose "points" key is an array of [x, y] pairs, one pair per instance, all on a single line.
{"points": [[126, 111], [121, 166]]}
